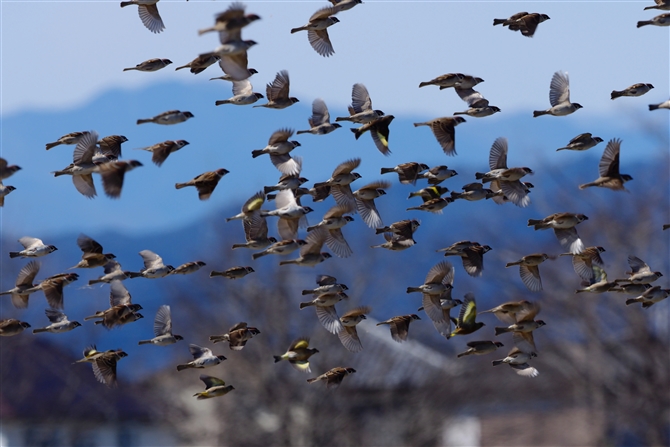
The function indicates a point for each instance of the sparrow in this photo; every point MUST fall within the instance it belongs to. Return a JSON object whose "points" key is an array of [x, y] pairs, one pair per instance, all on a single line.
{"points": [[291, 214], [640, 272], [104, 365], [233, 273], [150, 65], [162, 329], [428, 193], [232, 54], [507, 312], [4, 190], [434, 206], [230, 21], [310, 253], [480, 348], [650, 297], [10, 327], [283, 247], [188, 268], [202, 358], [478, 105], [161, 151], [340, 182], [360, 110], [348, 334], [663, 105], [53, 288], [71, 138], [255, 233], [559, 97], [529, 270], [404, 228], [473, 192], [7, 170], [522, 326], [237, 336], [437, 175], [324, 305], [253, 203], [24, 286], [333, 221], [472, 255], [291, 182], [113, 174], [148, 11], [395, 242], [438, 309], [400, 326], [317, 30], [153, 265], [92, 253], [444, 132], [333, 377], [204, 183], [59, 323], [82, 166], [109, 148], [582, 142], [608, 169], [510, 20], [466, 323], [121, 309], [438, 280], [660, 20], [32, 248], [113, 271], [563, 225], [598, 283], [298, 355], [508, 178], [319, 122], [326, 284], [344, 5], [243, 94], [169, 117], [279, 148], [444, 81], [277, 92], [634, 90], [660, 4], [379, 131], [407, 172], [214, 387], [200, 63], [527, 23], [519, 361], [467, 81], [365, 202]]}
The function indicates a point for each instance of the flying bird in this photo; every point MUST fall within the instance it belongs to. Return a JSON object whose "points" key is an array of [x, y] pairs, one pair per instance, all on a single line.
{"points": [[608, 169], [582, 142], [365, 202], [168, 118], [161, 151], [237, 336], [659, 20], [150, 65], [319, 122], [277, 92], [563, 225], [233, 272], [400, 326], [202, 358], [32, 248], [360, 110], [113, 174], [559, 97], [204, 183], [317, 30], [529, 270], [148, 11], [214, 387], [92, 253], [162, 329], [24, 286], [634, 90], [466, 323], [348, 334], [298, 355], [59, 323], [333, 377], [444, 132]]}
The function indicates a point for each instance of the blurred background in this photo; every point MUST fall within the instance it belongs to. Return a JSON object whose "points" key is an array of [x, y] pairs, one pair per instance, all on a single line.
{"points": [[604, 366]]}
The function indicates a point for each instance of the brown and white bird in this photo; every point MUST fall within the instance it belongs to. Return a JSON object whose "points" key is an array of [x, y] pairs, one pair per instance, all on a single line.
{"points": [[444, 132], [508, 179], [298, 355], [161, 151], [563, 225], [360, 110], [109, 148], [471, 253], [339, 183], [438, 174], [663, 105], [291, 214], [148, 11], [634, 90], [82, 167], [333, 377], [71, 138], [104, 366], [113, 174], [526, 24], [480, 348], [24, 286], [317, 30], [365, 202], [659, 20], [11, 326], [326, 284], [529, 270], [162, 329], [121, 308], [150, 65], [660, 4], [522, 326], [4, 190], [237, 336], [598, 283], [279, 147], [650, 297], [640, 272], [344, 5], [32, 248], [188, 267], [333, 221], [518, 360], [230, 22], [204, 183], [53, 288], [59, 323], [581, 142], [283, 247], [508, 311], [277, 92], [233, 272], [438, 280], [202, 358], [93, 255], [7, 170], [437, 301], [324, 305], [404, 228], [608, 168], [473, 192], [319, 122], [445, 80], [559, 97], [310, 253], [168, 118], [243, 94], [348, 335], [400, 326], [200, 63], [408, 172], [255, 232], [395, 242], [479, 106], [112, 271], [153, 265], [379, 131]]}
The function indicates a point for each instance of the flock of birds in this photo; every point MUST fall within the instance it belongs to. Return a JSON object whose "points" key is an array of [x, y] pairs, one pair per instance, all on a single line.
{"points": [[502, 184]]}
